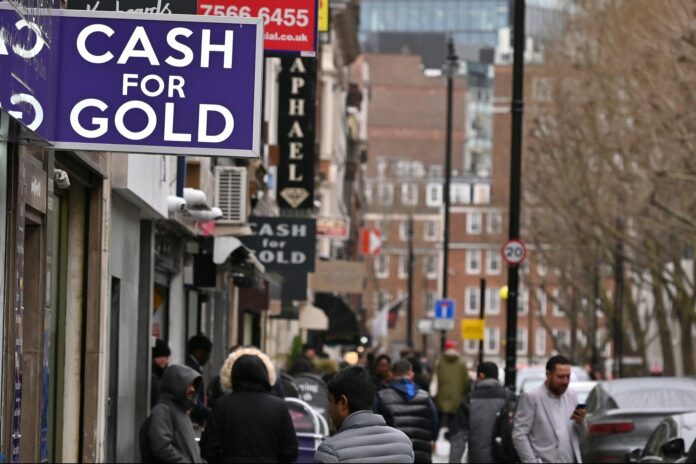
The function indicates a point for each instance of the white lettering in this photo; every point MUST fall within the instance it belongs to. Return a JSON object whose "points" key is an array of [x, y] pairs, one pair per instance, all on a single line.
{"points": [[159, 82], [82, 46], [127, 83], [203, 135], [38, 45], [282, 230], [296, 151], [296, 84], [101, 123], [18, 98], [176, 83], [187, 53], [147, 51], [297, 107], [296, 130], [298, 66], [169, 133], [294, 177], [135, 105], [226, 48], [299, 230]]}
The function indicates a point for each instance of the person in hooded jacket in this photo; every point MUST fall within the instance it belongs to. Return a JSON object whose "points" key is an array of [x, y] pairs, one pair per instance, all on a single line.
{"points": [[169, 436], [452, 378], [409, 409], [250, 424]]}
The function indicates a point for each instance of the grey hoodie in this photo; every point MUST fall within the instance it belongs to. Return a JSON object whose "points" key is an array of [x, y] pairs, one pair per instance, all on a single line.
{"points": [[171, 433]]}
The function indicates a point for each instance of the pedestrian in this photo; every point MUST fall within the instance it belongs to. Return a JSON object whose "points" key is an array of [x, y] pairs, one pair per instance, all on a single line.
{"points": [[250, 424], [382, 374], [362, 435], [167, 434], [199, 348], [408, 408], [160, 361], [475, 421], [420, 377], [452, 380], [547, 421]]}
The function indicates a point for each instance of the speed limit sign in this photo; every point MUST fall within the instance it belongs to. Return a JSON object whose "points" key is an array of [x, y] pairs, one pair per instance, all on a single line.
{"points": [[514, 252]]}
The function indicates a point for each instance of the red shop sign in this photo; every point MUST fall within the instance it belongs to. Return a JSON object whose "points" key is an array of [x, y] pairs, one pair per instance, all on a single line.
{"points": [[290, 26]]}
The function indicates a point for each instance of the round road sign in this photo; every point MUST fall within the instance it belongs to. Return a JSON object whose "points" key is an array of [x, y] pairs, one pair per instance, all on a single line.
{"points": [[514, 252]]}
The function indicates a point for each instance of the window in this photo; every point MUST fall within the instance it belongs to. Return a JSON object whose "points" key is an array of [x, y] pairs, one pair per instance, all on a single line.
{"points": [[473, 225], [403, 230], [473, 261], [386, 193], [541, 300], [460, 194], [557, 310], [471, 295], [403, 266], [382, 168], [495, 223], [368, 193], [522, 301], [561, 338], [541, 269], [522, 340], [541, 89], [471, 346], [430, 231], [493, 262], [429, 302], [493, 300], [409, 194], [382, 266], [433, 195], [430, 266], [482, 194], [492, 342], [435, 171], [540, 342]]}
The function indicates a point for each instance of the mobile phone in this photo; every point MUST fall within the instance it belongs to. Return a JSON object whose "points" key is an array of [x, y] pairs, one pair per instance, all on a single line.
{"points": [[580, 406]]}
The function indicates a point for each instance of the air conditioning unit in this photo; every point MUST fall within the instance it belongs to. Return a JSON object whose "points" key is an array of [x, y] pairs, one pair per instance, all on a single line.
{"points": [[231, 191]]}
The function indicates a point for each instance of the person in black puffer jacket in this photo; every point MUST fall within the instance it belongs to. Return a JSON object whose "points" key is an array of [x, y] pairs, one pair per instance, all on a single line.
{"points": [[249, 425], [409, 409]]}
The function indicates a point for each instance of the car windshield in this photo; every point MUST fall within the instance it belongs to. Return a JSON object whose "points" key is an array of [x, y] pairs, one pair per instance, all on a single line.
{"points": [[638, 399]]}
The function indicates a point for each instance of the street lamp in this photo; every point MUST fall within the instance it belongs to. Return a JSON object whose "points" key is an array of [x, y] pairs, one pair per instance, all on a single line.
{"points": [[517, 110], [451, 66]]}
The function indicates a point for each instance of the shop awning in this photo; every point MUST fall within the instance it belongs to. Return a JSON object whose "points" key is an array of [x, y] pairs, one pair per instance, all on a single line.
{"points": [[343, 322], [312, 318]]}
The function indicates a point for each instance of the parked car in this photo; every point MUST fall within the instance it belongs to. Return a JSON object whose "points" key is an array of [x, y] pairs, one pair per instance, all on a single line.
{"points": [[622, 413], [533, 376], [670, 440]]}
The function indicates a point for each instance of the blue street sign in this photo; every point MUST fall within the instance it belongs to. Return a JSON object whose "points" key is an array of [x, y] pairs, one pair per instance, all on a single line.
{"points": [[444, 309]]}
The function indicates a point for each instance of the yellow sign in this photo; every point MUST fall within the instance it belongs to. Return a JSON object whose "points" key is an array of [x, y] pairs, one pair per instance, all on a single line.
{"points": [[323, 15], [472, 329]]}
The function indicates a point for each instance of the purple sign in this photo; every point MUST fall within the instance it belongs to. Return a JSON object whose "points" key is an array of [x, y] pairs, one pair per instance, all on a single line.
{"points": [[153, 84]]}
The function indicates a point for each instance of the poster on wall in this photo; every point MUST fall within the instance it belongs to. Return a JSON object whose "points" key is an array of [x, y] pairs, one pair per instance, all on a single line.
{"points": [[296, 128]]}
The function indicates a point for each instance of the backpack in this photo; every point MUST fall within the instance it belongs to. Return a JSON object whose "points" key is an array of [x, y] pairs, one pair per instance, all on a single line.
{"points": [[502, 447]]}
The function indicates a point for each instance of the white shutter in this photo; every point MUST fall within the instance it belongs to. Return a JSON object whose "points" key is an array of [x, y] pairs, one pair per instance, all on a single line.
{"points": [[231, 194]]}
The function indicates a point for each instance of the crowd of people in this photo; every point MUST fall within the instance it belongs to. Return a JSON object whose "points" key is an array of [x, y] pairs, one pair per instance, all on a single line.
{"points": [[380, 410]]}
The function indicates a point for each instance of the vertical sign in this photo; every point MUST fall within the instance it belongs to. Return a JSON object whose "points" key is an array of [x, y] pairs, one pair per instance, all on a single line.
{"points": [[323, 16], [297, 89]]}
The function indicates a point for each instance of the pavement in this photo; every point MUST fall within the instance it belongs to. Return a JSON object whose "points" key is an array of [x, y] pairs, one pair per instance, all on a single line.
{"points": [[442, 448]]}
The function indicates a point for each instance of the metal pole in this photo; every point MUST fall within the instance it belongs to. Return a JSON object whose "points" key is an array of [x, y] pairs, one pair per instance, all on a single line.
{"points": [[450, 68], [482, 316], [618, 307], [409, 315], [517, 109]]}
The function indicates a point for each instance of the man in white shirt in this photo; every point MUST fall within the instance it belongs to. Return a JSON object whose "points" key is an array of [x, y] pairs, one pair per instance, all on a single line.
{"points": [[548, 421]]}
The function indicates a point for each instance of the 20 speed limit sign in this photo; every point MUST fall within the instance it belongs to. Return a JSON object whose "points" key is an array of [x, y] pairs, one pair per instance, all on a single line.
{"points": [[514, 252]]}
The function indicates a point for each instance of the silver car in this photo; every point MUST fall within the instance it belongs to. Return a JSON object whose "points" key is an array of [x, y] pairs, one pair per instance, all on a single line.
{"points": [[670, 440], [621, 414]]}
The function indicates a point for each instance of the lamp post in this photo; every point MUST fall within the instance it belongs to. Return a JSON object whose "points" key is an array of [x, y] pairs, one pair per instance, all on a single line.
{"points": [[409, 314], [451, 66], [517, 110]]}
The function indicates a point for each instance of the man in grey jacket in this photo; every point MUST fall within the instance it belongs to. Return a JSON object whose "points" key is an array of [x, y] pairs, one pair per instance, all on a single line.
{"points": [[547, 420], [170, 433], [362, 435], [477, 415]]}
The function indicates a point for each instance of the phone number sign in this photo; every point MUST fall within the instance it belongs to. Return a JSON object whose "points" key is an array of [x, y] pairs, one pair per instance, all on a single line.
{"points": [[290, 26]]}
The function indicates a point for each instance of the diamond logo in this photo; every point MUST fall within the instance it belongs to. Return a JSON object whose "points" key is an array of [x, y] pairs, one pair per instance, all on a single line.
{"points": [[294, 196]]}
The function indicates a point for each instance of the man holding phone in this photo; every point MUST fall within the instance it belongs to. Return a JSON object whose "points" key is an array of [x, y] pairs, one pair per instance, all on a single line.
{"points": [[549, 419]]}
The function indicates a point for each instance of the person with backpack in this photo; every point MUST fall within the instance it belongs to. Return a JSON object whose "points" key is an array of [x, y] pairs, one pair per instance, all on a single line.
{"points": [[167, 433], [478, 420]]}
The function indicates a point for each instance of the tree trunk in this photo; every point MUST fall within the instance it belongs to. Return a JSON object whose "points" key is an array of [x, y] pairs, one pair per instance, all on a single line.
{"points": [[631, 309], [663, 331]]}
